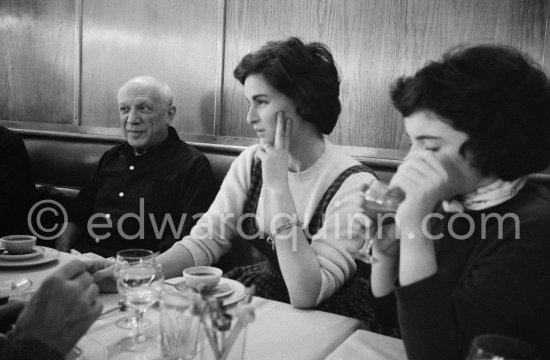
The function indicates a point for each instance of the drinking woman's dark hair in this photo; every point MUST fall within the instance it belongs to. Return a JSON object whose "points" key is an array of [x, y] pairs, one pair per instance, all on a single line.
{"points": [[306, 73], [497, 96]]}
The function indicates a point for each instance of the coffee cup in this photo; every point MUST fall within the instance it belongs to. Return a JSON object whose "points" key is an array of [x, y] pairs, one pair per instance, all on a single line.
{"points": [[18, 244], [202, 277]]}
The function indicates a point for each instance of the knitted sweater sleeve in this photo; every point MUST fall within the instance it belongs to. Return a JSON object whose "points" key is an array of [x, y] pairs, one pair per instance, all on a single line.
{"points": [[211, 237], [342, 234]]}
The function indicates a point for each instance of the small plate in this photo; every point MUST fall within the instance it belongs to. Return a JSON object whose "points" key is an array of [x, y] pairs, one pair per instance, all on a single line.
{"points": [[48, 255], [232, 290], [36, 251], [222, 289], [15, 286]]}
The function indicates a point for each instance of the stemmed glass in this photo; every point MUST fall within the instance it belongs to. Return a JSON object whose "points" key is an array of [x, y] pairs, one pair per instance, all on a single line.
{"points": [[134, 282], [124, 257], [499, 347], [380, 200]]}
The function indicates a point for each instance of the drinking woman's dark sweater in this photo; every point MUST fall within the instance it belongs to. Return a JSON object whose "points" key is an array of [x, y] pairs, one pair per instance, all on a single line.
{"points": [[492, 281]]}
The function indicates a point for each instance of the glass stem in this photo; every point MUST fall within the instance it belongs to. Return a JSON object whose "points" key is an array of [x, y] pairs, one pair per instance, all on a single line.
{"points": [[139, 321]]}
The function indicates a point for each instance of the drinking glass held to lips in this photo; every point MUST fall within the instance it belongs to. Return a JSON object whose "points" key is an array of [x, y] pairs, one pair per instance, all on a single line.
{"points": [[381, 202]]}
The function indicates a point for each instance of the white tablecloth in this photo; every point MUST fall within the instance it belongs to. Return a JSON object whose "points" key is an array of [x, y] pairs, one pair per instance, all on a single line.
{"points": [[367, 345], [279, 331]]}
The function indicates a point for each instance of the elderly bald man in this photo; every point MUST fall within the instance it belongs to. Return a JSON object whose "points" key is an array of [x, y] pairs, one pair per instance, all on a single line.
{"points": [[147, 192]]}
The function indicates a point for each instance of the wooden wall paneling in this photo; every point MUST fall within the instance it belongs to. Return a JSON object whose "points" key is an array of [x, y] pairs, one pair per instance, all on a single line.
{"points": [[546, 52], [374, 42], [36, 65], [220, 55], [77, 71], [173, 40]]}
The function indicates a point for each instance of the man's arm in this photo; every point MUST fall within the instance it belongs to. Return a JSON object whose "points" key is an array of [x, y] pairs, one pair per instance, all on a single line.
{"points": [[197, 192]]}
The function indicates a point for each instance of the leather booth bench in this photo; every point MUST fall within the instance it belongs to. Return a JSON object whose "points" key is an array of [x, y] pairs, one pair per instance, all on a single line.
{"points": [[66, 161]]}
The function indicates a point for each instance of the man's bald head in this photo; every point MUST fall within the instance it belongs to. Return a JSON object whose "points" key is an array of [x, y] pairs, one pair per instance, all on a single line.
{"points": [[161, 88], [146, 110]]}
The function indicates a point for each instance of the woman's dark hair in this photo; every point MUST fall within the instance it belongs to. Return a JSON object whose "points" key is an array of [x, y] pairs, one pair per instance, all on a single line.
{"points": [[497, 96], [304, 72]]}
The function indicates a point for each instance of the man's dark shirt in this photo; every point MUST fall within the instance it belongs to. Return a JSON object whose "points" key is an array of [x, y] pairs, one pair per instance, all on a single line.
{"points": [[172, 181], [17, 190]]}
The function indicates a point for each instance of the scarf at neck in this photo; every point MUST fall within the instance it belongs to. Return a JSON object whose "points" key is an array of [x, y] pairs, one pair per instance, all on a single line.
{"points": [[485, 197]]}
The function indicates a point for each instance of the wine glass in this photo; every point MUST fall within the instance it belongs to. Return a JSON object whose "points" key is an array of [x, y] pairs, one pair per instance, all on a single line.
{"points": [[499, 347], [380, 200], [134, 282], [124, 257]]}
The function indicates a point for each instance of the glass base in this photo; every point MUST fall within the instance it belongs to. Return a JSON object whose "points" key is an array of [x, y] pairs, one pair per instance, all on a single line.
{"points": [[145, 343], [130, 323]]}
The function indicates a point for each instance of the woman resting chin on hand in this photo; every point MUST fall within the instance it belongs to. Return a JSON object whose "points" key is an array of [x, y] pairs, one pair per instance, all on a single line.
{"points": [[294, 196], [474, 249]]}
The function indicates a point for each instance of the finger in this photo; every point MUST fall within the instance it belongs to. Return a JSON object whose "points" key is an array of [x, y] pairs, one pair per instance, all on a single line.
{"points": [[261, 155], [93, 256], [419, 167], [90, 294], [280, 131], [429, 158], [84, 280], [71, 269], [104, 274], [257, 152], [11, 310], [288, 133], [407, 181], [97, 309]]}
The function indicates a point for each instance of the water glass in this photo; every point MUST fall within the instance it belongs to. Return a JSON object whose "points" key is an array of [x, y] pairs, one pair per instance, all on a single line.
{"points": [[134, 283], [179, 326], [124, 257], [499, 347]]}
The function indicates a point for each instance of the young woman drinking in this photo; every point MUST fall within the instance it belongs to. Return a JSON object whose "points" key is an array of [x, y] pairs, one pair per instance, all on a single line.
{"points": [[474, 248]]}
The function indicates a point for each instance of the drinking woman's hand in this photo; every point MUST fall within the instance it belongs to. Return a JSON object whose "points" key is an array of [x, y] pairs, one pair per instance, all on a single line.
{"points": [[275, 158], [426, 181]]}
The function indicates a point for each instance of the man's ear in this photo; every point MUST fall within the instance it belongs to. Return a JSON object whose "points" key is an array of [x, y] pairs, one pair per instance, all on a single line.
{"points": [[171, 113]]}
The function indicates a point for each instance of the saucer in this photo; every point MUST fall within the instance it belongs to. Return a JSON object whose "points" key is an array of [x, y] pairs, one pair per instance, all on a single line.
{"points": [[35, 251], [230, 290], [48, 255], [222, 289]]}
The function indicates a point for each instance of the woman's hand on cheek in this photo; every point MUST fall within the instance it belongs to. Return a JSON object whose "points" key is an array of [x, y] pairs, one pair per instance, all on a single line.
{"points": [[425, 181], [275, 158]]}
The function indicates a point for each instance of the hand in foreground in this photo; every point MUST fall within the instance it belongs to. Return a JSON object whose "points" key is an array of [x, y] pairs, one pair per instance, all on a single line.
{"points": [[104, 276], [102, 271], [8, 315], [62, 310]]}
